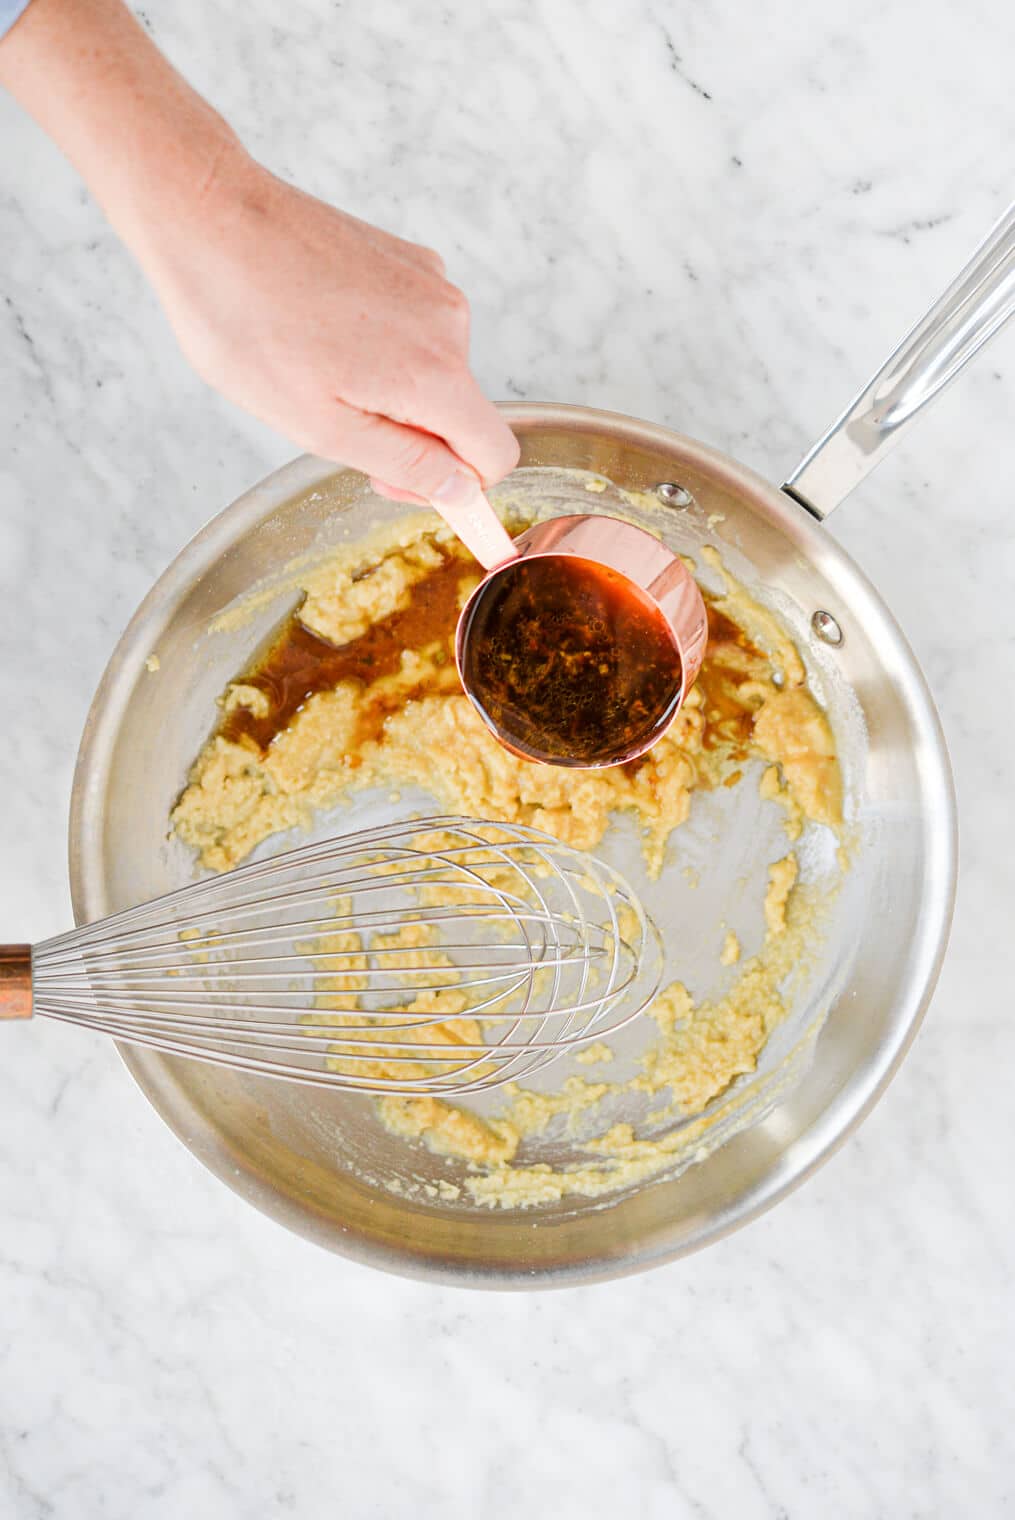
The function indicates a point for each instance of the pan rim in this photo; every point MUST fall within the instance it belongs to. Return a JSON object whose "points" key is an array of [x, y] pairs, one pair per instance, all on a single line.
{"points": [[837, 1121]]}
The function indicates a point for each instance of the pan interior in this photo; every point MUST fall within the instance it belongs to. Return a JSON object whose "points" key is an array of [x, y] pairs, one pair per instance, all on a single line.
{"points": [[322, 1161]]}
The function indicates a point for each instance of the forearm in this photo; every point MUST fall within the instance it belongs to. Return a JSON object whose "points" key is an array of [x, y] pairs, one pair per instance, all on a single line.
{"points": [[347, 339], [145, 143]]}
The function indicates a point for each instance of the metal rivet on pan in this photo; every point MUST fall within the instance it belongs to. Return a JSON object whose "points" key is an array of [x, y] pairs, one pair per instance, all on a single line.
{"points": [[826, 628], [674, 495]]}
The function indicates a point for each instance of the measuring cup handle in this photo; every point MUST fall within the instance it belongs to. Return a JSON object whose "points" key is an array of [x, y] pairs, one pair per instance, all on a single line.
{"points": [[15, 982], [973, 308], [463, 505]]}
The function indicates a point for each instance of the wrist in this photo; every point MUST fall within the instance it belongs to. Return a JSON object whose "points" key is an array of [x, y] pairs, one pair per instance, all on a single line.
{"points": [[166, 203], [184, 234]]}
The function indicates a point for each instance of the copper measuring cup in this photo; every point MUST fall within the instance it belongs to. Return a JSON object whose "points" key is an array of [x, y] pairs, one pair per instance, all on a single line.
{"points": [[653, 573]]}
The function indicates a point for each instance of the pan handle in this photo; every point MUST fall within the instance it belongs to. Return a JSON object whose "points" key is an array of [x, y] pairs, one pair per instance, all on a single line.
{"points": [[973, 308]]}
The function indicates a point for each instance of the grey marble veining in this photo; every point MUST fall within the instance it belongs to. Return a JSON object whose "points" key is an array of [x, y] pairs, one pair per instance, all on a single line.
{"points": [[719, 217]]}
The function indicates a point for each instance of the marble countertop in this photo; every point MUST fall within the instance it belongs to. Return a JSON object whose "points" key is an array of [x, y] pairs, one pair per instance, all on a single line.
{"points": [[720, 218]]}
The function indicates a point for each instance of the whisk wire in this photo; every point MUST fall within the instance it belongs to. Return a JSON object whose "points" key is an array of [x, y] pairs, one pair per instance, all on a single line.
{"points": [[441, 955]]}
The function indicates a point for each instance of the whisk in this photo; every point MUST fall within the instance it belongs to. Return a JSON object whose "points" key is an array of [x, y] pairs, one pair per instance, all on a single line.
{"points": [[436, 956]]}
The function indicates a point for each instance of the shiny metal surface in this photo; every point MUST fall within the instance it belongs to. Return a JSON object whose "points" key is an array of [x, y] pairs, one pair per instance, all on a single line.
{"points": [[468, 511], [826, 628], [970, 312], [245, 970], [15, 982], [621, 546], [312, 1168], [673, 495], [649, 565]]}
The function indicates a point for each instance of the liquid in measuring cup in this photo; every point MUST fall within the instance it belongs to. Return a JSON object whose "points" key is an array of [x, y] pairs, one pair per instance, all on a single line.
{"points": [[569, 662]]}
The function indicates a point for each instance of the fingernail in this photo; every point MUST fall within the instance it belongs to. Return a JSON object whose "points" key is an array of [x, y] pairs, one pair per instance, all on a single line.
{"points": [[459, 490]]}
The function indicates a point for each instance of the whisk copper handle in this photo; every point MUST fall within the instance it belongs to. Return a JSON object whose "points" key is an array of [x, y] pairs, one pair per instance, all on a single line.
{"points": [[15, 981]]}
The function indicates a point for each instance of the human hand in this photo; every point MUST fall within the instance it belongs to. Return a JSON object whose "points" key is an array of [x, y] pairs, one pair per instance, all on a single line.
{"points": [[346, 339]]}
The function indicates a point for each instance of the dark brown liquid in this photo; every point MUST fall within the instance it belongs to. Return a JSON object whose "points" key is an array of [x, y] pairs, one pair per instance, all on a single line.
{"points": [[298, 664], [727, 719], [569, 662]]}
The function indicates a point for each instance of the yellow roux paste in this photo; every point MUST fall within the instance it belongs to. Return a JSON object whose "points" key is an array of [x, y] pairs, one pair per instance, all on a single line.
{"points": [[416, 726]]}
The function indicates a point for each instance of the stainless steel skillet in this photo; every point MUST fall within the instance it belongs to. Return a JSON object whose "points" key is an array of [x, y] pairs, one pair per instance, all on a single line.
{"points": [[325, 1168]]}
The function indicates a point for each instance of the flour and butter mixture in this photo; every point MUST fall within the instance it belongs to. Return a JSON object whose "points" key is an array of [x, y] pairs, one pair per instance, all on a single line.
{"points": [[361, 691]]}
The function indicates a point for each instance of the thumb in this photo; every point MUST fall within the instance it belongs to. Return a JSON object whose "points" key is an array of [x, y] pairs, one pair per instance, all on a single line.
{"points": [[418, 464]]}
